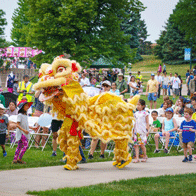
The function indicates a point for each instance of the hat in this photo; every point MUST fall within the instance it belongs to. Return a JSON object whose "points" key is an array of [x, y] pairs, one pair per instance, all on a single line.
{"points": [[169, 110], [120, 74], [98, 86], [130, 73], [22, 103], [107, 82], [2, 106], [152, 74]]}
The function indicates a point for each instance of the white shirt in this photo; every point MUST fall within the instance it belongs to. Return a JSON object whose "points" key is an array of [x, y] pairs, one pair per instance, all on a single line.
{"points": [[165, 80], [159, 79], [128, 79], [85, 81], [176, 81], [132, 89]]}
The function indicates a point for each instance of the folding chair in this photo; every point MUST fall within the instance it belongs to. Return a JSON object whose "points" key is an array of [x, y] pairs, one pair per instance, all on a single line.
{"points": [[110, 147]]}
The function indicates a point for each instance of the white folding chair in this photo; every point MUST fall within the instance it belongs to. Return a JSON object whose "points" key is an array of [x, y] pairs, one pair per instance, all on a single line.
{"points": [[13, 118]]}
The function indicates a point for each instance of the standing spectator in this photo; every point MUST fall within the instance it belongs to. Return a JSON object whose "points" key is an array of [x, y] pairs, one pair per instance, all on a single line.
{"points": [[188, 82], [2, 100], [151, 91], [93, 81], [181, 82], [139, 76], [194, 70], [159, 79], [170, 83], [114, 89], [175, 85], [160, 68], [164, 67], [25, 88], [192, 86], [187, 73], [84, 81], [129, 78], [121, 84], [165, 83], [133, 87], [15, 87]]}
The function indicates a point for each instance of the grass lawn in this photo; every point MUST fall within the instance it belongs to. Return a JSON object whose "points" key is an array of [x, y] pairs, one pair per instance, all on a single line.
{"points": [[162, 185]]}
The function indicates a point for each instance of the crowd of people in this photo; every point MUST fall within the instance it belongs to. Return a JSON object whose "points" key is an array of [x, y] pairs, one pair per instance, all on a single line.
{"points": [[112, 81]]}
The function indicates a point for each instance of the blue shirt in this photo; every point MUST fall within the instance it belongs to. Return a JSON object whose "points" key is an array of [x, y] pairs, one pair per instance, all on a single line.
{"points": [[188, 136], [190, 78], [169, 125]]}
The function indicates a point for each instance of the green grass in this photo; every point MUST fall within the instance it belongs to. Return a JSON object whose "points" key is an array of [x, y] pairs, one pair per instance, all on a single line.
{"points": [[160, 186]]}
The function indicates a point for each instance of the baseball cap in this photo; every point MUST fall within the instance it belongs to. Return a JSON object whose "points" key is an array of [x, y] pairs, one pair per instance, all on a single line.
{"points": [[152, 74], [2, 106], [107, 82], [169, 110]]}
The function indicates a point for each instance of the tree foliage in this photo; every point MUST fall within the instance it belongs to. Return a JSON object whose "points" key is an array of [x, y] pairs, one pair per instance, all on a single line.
{"points": [[185, 17], [85, 29], [3, 23]]}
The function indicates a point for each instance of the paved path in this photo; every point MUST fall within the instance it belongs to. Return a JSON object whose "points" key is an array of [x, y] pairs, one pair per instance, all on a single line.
{"points": [[18, 182]]}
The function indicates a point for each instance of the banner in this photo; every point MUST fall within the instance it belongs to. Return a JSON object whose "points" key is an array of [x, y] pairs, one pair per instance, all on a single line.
{"points": [[187, 54]]}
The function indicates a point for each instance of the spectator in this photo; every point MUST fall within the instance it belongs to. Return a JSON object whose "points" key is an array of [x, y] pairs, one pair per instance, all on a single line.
{"points": [[168, 129], [180, 110], [121, 84], [165, 98], [93, 81], [165, 83], [176, 85], [139, 76], [12, 110], [192, 85], [187, 73], [151, 91], [133, 87], [170, 103], [114, 89], [159, 79], [156, 125], [170, 83], [163, 109], [15, 87], [160, 68], [84, 81], [181, 82], [25, 88], [193, 102], [129, 78], [164, 67], [188, 82], [2, 100]]}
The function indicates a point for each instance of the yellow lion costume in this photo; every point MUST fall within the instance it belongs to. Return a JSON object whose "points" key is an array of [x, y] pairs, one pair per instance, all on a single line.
{"points": [[105, 116]]}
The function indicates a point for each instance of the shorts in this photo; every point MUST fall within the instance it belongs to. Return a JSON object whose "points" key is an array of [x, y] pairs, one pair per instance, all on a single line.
{"points": [[175, 91], [2, 138], [184, 145], [56, 125], [151, 97], [164, 86], [172, 134]]}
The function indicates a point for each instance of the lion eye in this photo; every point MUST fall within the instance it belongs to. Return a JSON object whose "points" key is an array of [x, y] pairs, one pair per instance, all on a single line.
{"points": [[61, 69]]}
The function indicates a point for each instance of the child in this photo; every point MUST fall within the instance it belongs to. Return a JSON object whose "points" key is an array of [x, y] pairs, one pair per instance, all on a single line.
{"points": [[169, 127], [165, 98], [141, 130], [188, 129], [22, 132], [4, 123], [156, 126], [163, 109]]}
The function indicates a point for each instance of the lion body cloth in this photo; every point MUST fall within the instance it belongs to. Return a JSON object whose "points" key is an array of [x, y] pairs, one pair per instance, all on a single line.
{"points": [[104, 116]]}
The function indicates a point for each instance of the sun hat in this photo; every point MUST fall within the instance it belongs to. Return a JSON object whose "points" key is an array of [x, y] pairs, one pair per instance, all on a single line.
{"points": [[152, 74], [169, 110], [98, 86], [120, 74], [2, 106], [22, 103], [107, 82]]}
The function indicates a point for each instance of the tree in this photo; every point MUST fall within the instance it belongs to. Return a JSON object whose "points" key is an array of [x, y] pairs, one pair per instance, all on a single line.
{"points": [[185, 17], [3, 23], [85, 29]]}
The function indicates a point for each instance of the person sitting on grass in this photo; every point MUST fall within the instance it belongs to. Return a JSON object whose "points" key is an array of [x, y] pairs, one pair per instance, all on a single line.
{"points": [[169, 127], [156, 125], [141, 130], [188, 129], [4, 123]]}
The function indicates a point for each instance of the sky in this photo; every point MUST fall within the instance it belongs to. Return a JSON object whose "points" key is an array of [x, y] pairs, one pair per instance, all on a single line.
{"points": [[155, 15]]}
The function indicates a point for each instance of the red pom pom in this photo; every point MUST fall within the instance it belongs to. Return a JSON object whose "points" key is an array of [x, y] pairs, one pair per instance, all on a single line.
{"points": [[61, 56], [40, 75], [74, 68], [50, 71]]}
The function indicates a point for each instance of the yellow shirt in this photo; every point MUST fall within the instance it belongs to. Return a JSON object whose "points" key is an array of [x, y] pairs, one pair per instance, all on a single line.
{"points": [[139, 76], [194, 116], [152, 86]]}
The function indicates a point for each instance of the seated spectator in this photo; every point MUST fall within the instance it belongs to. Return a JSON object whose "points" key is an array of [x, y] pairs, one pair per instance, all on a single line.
{"points": [[84, 81], [193, 102], [169, 127], [114, 89], [156, 125], [165, 98], [163, 109], [2, 100], [180, 110], [176, 107], [170, 103], [93, 81]]}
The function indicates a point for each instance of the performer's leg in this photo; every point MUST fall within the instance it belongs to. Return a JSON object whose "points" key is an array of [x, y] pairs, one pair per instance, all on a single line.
{"points": [[121, 153]]}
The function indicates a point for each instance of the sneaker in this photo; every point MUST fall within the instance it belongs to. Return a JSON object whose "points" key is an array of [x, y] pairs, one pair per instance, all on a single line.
{"points": [[14, 161], [90, 156], [102, 156], [5, 154], [83, 161], [53, 154], [185, 159], [165, 151], [157, 151], [190, 157]]}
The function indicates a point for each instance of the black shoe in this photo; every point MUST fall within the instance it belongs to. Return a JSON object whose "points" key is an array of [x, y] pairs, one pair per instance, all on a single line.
{"points": [[190, 157], [157, 151], [83, 161], [185, 159], [165, 151], [102, 156], [90, 156]]}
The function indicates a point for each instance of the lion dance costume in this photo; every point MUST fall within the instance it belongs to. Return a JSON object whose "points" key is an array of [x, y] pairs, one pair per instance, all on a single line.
{"points": [[105, 116]]}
